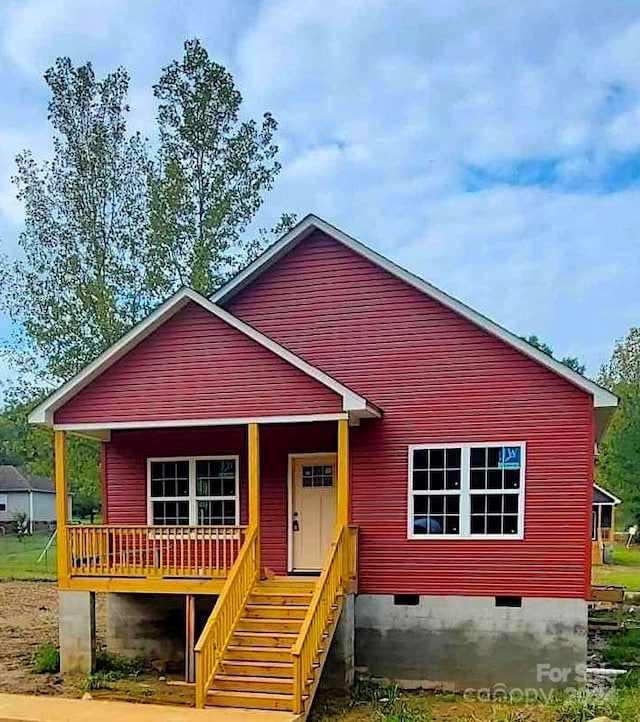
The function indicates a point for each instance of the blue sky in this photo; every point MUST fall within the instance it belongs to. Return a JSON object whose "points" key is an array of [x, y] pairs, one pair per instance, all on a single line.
{"points": [[493, 148]]}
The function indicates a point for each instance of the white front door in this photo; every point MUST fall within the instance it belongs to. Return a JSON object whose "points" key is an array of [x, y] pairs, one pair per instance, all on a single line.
{"points": [[313, 510]]}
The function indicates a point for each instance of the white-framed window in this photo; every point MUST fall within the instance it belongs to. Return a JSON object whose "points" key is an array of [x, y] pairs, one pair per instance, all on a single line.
{"points": [[3, 502], [193, 490], [466, 491]]}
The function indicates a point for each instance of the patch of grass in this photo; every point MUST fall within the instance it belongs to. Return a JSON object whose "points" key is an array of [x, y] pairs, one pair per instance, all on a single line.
{"points": [[627, 557], [621, 703], [111, 668], [624, 649], [18, 558], [624, 572], [46, 658], [123, 666], [582, 705]]}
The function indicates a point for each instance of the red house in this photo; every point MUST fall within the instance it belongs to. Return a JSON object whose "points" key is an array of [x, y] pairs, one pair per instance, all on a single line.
{"points": [[331, 452]]}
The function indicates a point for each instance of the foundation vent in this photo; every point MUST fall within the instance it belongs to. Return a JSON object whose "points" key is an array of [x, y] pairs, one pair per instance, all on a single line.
{"points": [[406, 600], [508, 601]]}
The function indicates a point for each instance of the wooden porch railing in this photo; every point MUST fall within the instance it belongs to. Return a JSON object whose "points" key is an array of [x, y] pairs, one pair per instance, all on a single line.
{"points": [[220, 625], [167, 551], [325, 605]]}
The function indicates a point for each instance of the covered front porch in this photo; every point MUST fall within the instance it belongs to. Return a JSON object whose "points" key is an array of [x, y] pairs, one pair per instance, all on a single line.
{"points": [[179, 503]]}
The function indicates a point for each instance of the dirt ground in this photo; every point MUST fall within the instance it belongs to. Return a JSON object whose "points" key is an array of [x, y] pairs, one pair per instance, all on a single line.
{"points": [[29, 617]]}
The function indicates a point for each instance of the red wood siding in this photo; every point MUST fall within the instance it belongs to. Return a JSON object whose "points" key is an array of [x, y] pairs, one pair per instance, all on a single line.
{"points": [[125, 459], [438, 378], [195, 366]]}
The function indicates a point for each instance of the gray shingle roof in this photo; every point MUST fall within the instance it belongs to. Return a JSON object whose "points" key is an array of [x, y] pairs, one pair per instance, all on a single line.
{"points": [[15, 479]]}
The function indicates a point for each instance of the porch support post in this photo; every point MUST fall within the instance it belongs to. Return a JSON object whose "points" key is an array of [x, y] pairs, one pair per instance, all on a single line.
{"points": [[254, 481], [342, 515], [60, 456]]}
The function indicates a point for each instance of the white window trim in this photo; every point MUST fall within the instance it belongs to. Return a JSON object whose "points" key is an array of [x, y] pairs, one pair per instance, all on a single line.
{"points": [[193, 506], [465, 493], [4, 500]]}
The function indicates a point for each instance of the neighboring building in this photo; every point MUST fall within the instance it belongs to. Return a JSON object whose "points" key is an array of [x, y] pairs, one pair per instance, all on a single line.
{"points": [[603, 523], [328, 412], [33, 495]]}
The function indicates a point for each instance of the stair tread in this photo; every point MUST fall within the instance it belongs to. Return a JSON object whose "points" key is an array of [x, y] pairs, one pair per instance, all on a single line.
{"points": [[242, 679], [264, 648], [261, 633], [254, 663], [275, 607], [253, 695]]}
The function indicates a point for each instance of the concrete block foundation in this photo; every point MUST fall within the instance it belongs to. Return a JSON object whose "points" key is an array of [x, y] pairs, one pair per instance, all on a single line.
{"points": [[77, 631], [153, 626], [149, 626], [338, 672], [460, 643]]}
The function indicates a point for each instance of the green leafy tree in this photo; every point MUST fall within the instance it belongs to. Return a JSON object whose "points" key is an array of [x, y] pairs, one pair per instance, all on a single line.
{"points": [[212, 173], [87, 271], [570, 361], [618, 465]]}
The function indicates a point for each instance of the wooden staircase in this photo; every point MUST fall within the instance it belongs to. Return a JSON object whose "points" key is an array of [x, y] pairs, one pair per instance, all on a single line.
{"points": [[256, 670], [266, 641]]}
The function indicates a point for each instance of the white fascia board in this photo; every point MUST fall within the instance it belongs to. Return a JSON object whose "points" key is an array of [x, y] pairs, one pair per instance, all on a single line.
{"points": [[43, 413], [613, 497], [601, 396], [101, 427]]}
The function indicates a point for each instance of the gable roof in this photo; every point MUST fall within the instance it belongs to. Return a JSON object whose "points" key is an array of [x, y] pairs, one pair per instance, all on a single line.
{"points": [[602, 398], [602, 496], [354, 404], [15, 479]]}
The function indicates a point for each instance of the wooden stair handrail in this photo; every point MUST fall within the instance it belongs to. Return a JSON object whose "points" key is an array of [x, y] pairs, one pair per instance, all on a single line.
{"points": [[215, 637], [324, 602]]}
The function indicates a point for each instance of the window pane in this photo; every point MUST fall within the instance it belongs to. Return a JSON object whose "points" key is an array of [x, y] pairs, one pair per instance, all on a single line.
{"points": [[494, 513], [421, 504], [494, 479], [436, 458], [512, 479], [493, 457], [478, 479], [436, 480], [478, 458], [421, 480], [316, 476], [453, 458], [420, 459], [215, 477], [434, 471], [453, 478], [170, 513], [511, 503], [510, 524], [169, 478], [213, 512]]}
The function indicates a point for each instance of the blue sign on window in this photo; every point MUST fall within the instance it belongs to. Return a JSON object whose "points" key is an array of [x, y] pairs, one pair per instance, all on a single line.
{"points": [[509, 457]]}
